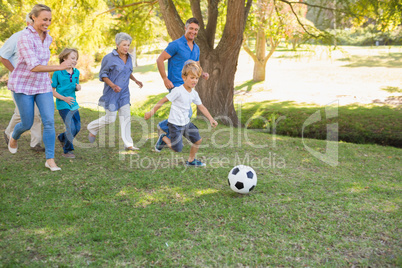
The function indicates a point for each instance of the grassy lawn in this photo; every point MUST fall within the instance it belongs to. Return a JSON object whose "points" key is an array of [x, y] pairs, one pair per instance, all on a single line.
{"points": [[111, 208]]}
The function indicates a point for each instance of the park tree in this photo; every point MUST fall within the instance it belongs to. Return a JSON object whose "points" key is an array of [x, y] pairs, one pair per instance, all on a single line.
{"points": [[271, 21], [219, 60], [12, 18], [74, 24]]}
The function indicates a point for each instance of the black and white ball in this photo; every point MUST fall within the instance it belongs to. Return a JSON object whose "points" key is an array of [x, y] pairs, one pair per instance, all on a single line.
{"points": [[242, 179]]}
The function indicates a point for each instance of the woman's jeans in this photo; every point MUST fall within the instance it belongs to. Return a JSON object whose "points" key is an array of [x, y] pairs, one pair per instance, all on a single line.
{"points": [[72, 122], [45, 103]]}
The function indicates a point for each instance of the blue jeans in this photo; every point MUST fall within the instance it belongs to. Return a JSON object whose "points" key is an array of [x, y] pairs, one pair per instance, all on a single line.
{"points": [[164, 124], [45, 103], [72, 121]]}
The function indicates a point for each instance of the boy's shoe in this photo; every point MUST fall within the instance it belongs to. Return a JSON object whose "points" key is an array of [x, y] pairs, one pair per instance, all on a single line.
{"points": [[160, 130], [160, 144], [195, 163], [91, 138], [69, 155]]}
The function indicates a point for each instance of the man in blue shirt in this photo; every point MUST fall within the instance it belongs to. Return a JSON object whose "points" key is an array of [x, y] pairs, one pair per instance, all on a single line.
{"points": [[177, 53], [9, 57]]}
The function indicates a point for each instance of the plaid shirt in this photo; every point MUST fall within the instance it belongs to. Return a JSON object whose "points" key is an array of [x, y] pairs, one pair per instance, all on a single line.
{"points": [[32, 52]]}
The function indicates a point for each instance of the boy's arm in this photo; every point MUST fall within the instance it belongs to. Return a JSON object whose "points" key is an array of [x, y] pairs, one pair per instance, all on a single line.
{"points": [[156, 108], [69, 100], [205, 112]]}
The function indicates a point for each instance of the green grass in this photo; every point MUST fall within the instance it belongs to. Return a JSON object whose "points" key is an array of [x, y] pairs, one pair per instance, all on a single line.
{"points": [[371, 123], [111, 208]]}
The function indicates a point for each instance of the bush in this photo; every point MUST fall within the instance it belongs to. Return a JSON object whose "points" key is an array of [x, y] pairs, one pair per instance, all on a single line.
{"points": [[85, 64], [368, 36], [375, 124]]}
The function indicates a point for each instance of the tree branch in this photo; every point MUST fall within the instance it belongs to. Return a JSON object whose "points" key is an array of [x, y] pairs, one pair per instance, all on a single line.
{"points": [[212, 22], [173, 22], [152, 2], [251, 53], [307, 4], [297, 17]]}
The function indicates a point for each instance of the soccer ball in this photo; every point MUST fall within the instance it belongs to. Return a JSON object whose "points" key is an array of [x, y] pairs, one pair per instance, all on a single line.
{"points": [[242, 179]]}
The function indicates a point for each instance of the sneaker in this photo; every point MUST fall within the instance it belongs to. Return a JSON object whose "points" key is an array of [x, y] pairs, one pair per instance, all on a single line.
{"points": [[160, 130], [91, 138], [195, 163], [69, 155], [160, 144], [38, 148]]}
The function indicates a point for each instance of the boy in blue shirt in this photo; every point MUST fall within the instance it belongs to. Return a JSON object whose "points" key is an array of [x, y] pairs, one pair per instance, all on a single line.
{"points": [[65, 83], [179, 123]]}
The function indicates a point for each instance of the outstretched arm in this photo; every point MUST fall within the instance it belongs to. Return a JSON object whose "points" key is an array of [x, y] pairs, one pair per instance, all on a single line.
{"points": [[156, 108], [205, 112]]}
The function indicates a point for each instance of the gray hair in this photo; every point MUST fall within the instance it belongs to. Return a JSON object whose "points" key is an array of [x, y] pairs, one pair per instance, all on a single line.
{"points": [[28, 19], [120, 37]]}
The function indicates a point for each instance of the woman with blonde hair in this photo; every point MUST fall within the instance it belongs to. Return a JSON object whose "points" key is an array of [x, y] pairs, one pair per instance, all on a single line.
{"points": [[30, 81]]}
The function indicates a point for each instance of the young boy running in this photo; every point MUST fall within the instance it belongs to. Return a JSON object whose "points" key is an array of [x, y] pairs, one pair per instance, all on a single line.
{"points": [[179, 123]]}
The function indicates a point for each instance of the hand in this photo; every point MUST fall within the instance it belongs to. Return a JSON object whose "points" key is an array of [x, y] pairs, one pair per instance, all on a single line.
{"points": [[205, 75], [77, 87], [67, 64], [139, 83], [116, 88], [69, 100], [147, 115], [168, 83], [213, 123]]}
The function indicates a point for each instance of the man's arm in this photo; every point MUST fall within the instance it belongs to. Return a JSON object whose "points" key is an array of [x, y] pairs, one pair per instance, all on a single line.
{"points": [[7, 63], [160, 62], [204, 75]]}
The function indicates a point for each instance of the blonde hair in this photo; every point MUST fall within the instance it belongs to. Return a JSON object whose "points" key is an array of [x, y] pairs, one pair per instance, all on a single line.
{"points": [[192, 67], [67, 51], [37, 9]]}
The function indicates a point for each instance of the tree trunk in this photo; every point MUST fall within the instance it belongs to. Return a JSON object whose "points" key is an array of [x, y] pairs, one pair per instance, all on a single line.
{"points": [[217, 92], [259, 65], [221, 62]]}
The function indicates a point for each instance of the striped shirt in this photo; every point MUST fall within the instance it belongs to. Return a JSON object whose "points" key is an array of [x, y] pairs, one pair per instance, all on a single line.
{"points": [[32, 52]]}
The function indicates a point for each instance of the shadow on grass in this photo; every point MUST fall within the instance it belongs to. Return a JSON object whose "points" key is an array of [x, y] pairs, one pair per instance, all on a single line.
{"points": [[375, 124], [248, 85], [392, 89], [146, 68], [378, 124], [389, 60]]}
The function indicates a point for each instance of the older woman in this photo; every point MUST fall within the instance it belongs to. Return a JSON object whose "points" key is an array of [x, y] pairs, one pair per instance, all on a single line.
{"points": [[116, 72], [30, 81]]}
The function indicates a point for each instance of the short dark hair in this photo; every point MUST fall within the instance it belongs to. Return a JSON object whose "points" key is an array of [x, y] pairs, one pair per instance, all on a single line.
{"points": [[192, 20]]}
